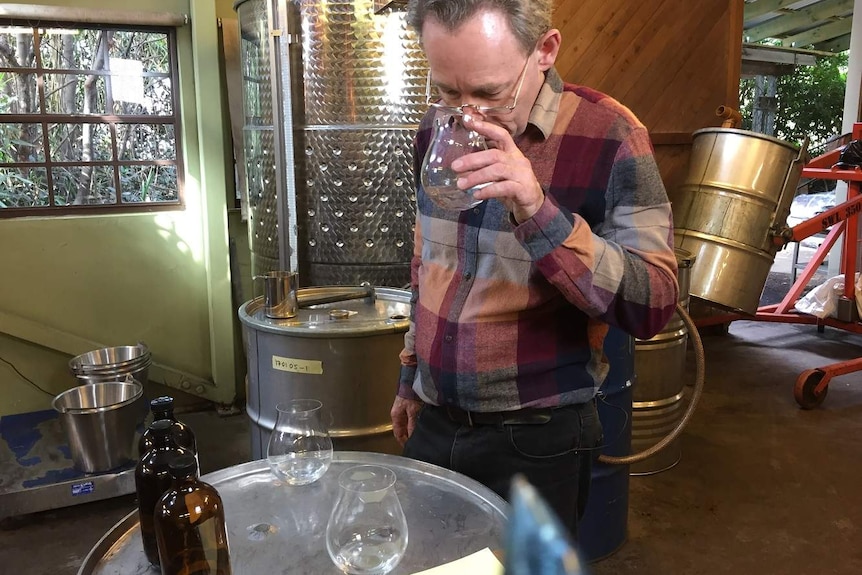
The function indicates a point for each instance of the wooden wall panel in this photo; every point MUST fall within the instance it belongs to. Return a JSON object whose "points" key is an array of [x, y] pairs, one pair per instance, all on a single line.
{"points": [[672, 62]]}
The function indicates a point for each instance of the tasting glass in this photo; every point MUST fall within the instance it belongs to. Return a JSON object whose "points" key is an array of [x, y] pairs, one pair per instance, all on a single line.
{"points": [[451, 140], [367, 531], [300, 449]]}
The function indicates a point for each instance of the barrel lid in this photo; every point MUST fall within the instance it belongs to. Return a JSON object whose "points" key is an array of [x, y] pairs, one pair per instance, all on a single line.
{"points": [[387, 310], [684, 258]]}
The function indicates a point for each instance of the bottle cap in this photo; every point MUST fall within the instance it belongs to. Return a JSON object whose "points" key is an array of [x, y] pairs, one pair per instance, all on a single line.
{"points": [[163, 403], [183, 465]]}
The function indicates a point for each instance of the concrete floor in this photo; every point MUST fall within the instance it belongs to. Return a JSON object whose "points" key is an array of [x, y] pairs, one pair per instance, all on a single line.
{"points": [[762, 486]]}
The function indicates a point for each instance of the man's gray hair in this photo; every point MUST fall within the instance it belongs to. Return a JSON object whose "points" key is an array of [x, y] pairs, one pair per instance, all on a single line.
{"points": [[529, 19]]}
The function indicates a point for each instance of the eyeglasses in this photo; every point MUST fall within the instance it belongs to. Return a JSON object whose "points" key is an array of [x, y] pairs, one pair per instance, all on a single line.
{"points": [[484, 110]]}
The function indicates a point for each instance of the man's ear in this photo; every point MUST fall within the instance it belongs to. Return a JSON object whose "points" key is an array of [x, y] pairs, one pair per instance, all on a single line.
{"points": [[548, 48]]}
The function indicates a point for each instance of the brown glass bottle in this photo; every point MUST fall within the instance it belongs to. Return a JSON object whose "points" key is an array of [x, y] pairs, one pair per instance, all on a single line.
{"points": [[152, 479], [190, 525], [163, 408]]}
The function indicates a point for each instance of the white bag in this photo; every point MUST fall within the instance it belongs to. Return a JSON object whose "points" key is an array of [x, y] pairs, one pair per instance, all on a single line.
{"points": [[822, 301]]}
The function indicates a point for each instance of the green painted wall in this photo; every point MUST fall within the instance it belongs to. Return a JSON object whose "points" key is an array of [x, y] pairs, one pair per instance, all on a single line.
{"points": [[69, 285]]}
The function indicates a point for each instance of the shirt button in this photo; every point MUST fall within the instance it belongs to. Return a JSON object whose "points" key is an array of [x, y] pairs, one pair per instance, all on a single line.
{"points": [[448, 339], [476, 210], [468, 276]]}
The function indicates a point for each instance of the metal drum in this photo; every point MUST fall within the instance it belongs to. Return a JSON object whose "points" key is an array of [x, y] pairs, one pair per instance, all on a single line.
{"points": [[737, 194], [658, 406], [344, 354], [278, 528]]}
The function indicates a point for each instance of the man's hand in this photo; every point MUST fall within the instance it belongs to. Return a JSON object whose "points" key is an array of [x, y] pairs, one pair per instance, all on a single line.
{"points": [[404, 413], [508, 174]]}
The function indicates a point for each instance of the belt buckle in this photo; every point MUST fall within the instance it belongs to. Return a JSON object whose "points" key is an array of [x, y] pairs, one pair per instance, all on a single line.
{"points": [[469, 418]]}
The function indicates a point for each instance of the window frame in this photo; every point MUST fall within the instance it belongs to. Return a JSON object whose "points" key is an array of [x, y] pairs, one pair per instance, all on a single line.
{"points": [[110, 121]]}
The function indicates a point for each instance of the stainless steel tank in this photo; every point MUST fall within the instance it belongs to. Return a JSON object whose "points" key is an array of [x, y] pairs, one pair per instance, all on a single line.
{"points": [[734, 200], [333, 93], [343, 353]]}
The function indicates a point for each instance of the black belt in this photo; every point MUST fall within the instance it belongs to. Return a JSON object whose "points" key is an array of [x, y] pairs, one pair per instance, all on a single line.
{"points": [[526, 416]]}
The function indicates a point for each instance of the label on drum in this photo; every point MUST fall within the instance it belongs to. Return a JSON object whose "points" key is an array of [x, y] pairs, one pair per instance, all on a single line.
{"points": [[83, 488], [307, 366]]}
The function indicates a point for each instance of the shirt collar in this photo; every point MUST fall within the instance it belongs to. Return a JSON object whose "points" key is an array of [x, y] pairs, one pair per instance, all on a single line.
{"points": [[547, 104]]}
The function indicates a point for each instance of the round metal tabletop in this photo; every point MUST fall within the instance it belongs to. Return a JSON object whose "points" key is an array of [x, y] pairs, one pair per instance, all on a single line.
{"points": [[279, 528]]}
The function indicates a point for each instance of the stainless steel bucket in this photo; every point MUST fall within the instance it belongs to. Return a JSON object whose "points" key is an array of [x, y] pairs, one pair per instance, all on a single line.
{"points": [[736, 196], [657, 398], [113, 364], [342, 353], [102, 422], [279, 293]]}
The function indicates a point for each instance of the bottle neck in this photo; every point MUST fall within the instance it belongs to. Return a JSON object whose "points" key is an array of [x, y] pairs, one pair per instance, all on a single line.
{"points": [[180, 480], [164, 414], [164, 441]]}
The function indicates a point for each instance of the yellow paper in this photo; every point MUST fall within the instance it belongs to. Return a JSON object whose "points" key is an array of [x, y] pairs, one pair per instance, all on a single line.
{"points": [[482, 562]]}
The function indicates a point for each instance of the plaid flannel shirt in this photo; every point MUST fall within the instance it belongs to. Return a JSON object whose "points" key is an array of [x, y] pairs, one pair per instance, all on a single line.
{"points": [[507, 316]]}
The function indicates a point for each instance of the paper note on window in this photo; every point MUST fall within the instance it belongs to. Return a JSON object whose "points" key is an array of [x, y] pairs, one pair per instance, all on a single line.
{"points": [[127, 80], [482, 562]]}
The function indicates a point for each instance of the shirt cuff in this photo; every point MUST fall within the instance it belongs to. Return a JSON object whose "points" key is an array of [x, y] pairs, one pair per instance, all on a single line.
{"points": [[405, 382], [545, 231]]}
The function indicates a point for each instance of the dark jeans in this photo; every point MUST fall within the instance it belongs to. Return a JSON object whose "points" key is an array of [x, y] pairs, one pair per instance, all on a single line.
{"points": [[556, 456]]}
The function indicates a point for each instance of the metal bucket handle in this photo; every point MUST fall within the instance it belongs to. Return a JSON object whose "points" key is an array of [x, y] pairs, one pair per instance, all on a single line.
{"points": [[783, 204]]}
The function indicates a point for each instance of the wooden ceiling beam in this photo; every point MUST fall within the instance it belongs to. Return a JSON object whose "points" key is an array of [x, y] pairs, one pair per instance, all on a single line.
{"points": [[839, 44], [762, 7], [819, 34], [814, 14], [750, 69]]}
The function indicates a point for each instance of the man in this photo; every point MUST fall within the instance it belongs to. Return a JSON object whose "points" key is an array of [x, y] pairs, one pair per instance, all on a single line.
{"points": [[512, 299]]}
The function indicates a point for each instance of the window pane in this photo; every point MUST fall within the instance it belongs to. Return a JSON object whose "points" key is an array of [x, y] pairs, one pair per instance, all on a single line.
{"points": [[102, 75], [74, 94], [84, 185], [18, 94], [157, 99], [23, 187], [146, 141], [151, 49], [149, 183], [70, 141], [72, 49], [22, 143], [16, 48]]}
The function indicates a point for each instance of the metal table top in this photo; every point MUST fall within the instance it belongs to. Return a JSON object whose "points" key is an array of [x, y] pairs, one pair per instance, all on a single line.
{"points": [[278, 528]]}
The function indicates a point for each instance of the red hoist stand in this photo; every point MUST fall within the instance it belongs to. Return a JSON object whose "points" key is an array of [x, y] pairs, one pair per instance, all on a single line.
{"points": [[812, 384]]}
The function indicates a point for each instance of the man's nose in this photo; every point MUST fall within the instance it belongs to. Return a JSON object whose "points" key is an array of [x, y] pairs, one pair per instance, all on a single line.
{"points": [[472, 111]]}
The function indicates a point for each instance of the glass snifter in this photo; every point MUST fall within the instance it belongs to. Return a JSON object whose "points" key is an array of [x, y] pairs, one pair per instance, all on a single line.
{"points": [[367, 531], [450, 140], [300, 449]]}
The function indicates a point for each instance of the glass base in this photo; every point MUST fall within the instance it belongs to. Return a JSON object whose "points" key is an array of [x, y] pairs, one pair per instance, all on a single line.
{"points": [[450, 198]]}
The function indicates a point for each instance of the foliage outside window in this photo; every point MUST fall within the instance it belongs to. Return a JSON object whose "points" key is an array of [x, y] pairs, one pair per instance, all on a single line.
{"points": [[89, 120]]}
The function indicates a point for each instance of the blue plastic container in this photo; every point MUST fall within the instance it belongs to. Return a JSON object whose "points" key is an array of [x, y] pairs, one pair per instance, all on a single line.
{"points": [[604, 527]]}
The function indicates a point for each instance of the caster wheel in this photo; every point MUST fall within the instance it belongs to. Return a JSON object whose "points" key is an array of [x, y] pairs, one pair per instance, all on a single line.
{"points": [[804, 390]]}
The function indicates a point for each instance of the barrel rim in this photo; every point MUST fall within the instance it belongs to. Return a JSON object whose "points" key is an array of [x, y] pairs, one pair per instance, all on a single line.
{"points": [[303, 329], [684, 257], [756, 135]]}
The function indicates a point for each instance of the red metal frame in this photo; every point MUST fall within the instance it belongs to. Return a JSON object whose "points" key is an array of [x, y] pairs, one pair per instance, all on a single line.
{"points": [[812, 384]]}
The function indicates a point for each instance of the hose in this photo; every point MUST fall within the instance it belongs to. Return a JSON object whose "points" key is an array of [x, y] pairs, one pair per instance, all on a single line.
{"points": [[695, 397]]}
